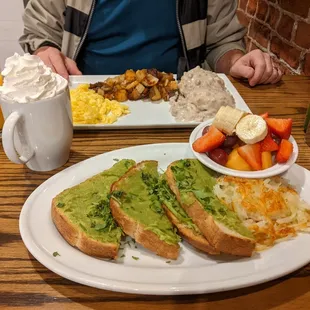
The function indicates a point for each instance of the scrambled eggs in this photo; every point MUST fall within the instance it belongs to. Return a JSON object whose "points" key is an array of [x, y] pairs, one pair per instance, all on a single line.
{"points": [[88, 107]]}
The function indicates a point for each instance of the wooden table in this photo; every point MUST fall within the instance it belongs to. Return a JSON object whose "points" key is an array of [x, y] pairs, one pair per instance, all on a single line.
{"points": [[25, 283]]}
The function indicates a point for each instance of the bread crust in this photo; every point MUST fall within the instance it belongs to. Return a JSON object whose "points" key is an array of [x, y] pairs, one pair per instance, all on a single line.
{"points": [[196, 240], [219, 236], [77, 238], [136, 230]]}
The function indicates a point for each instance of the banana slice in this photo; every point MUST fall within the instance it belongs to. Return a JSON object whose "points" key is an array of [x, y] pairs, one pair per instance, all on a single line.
{"points": [[252, 129], [227, 118]]}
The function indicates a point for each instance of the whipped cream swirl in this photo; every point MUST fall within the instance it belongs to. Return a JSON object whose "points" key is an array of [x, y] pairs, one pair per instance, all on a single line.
{"points": [[28, 79]]}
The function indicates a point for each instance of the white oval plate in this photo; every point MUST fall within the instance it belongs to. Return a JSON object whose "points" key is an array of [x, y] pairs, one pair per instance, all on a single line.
{"points": [[267, 173], [192, 273]]}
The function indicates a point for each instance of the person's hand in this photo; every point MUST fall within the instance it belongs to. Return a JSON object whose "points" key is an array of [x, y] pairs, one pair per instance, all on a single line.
{"points": [[257, 67], [59, 63]]}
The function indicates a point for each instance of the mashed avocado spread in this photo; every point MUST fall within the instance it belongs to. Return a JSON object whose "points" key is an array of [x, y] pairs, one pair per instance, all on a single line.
{"points": [[87, 204], [192, 177], [167, 198], [137, 196]]}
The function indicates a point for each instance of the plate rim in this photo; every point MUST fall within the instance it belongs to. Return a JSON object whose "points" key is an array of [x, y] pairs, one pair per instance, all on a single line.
{"points": [[134, 288]]}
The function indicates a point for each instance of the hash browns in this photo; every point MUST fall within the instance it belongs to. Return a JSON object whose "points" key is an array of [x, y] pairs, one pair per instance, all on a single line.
{"points": [[270, 208]]}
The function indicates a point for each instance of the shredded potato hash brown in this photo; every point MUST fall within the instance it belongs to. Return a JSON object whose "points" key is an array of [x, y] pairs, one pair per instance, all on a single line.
{"points": [[88, 107], [270, 208]]}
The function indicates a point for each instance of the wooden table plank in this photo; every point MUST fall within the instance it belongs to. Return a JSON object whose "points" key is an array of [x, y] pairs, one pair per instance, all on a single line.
{"points": [[26, 284]]}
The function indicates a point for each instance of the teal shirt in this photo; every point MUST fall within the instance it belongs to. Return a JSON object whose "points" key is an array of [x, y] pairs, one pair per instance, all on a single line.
{"points": [[131, 34]]}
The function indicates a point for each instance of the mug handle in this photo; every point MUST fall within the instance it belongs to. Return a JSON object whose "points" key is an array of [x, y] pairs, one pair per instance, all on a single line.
{"points": [[8, 139]]}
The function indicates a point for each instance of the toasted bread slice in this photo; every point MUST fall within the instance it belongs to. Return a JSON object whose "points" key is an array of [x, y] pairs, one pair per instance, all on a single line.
{"points": [[195, 239], [77, 238], [220, 236], [186, 228], [137, 210], [82, 214]]}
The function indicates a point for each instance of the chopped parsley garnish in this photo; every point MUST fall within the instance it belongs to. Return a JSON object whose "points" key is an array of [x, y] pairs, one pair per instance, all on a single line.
{"points": [[60, 204], [152, 185], [115, 159], [56, 254], [135, 257], [101, 212], [83, 227], [168, 261], [148, 179], [128, 164], [117, 194], [123, 256], [183, 177]]}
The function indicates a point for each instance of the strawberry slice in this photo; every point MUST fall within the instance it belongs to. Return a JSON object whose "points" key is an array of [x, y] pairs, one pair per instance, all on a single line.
{"points": [[268, 144], [285, 151], [280, 127], [209, 141], [265, 115], [251, 153]]}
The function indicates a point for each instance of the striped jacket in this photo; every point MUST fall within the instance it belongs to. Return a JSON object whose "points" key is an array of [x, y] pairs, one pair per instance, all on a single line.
{"points": [[208, 28]]}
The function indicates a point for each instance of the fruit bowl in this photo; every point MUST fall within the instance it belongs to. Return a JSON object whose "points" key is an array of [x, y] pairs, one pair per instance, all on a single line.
{"points": [[276, 169]]}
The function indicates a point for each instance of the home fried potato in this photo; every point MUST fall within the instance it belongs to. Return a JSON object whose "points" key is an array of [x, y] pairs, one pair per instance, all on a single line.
{"points": [[132, 85], [163, 93], [145, 93], [150, 80], [130, 75], [172, 86], [141, 74], [121, 95], [154, 94], [134, 95], [141, 84], [140, 88]]}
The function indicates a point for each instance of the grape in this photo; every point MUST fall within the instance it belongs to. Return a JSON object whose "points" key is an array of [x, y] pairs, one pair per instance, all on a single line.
{"points": [[205, 130], [276, 138], [230, 141], [219, 156], [227, 150]]}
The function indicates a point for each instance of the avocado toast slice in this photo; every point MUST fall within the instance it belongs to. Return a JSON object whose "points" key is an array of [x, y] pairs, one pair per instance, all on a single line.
{"points": [[137, 209], [193, 183], [83, 217], [177, 215]]}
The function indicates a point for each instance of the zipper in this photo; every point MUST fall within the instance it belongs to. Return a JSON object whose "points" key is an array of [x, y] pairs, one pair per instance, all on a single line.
{"points": [[181, 33], [86, 30]]}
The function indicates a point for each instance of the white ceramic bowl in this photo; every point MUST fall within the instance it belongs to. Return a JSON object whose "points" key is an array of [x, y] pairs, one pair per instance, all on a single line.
{"points": [[272, 171]]}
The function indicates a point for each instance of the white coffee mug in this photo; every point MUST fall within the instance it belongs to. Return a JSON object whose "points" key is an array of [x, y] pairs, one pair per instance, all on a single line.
{"points": [[38, 134]]}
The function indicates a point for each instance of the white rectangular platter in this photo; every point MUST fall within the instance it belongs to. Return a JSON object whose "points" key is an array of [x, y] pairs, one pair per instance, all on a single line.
{"points": [[146, 114]]}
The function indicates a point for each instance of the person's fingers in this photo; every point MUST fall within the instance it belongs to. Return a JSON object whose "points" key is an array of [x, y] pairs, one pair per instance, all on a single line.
{"points": [[59, 64], [280, 74], [72, 67], [257, 61], [274, 76], [269, 71], [47, 61], [241, 70]]}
